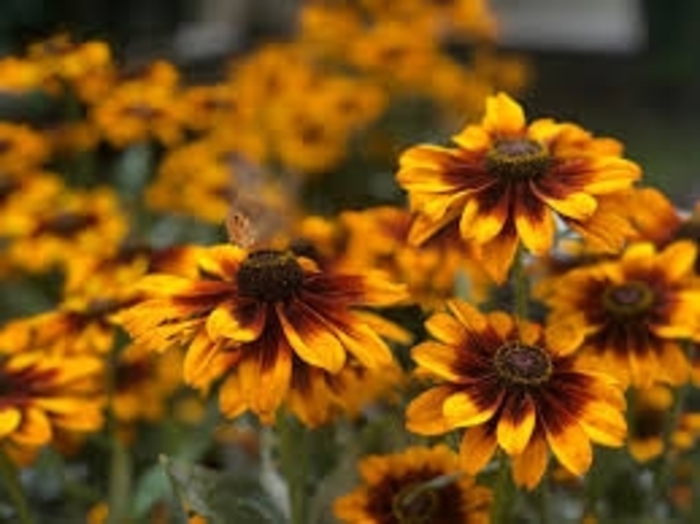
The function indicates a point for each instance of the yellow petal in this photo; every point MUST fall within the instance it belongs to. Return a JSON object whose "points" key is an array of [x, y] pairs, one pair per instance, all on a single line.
{"points": [[603, 423], [424, 414], [273, 375], [9, 420], [439, 359], [34, 430], [461, 410], [473, 138], [516, 424], [571, 446], [504, 116], [446, 328], [678, 259], [579, 206], [310, 337], [535, 226], [364, 344], [468, 315], [234, 321]]}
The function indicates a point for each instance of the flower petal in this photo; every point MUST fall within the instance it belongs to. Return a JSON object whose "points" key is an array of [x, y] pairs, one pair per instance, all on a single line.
{"points": [[477, 447], [570, 444], [424, 414], [504, 116], [463, 410], [242, 323], [308, 334], [530, 465], [9, 420], [516, 424]]}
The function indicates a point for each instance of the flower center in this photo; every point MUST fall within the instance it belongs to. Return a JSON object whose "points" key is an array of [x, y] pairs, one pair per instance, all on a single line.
{"points": [[270, 275], [519, 364], [518, 159], [415, 504], [67, 224], [628, 299]]}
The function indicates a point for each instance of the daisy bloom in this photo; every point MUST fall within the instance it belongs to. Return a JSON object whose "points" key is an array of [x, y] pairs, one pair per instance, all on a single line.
{"points": [[251, 313], [634, 311], [418, 484], [507, 180], [515, 385], [43, 394]]}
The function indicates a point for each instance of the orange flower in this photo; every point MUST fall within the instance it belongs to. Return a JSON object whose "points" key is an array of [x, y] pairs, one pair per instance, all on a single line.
{"points": [[517, 386], [416, 485], [252, 314], [507, 181], [634, 311]]}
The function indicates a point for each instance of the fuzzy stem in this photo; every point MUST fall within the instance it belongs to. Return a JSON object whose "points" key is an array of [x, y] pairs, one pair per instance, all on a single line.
{"points": [[10, 478], [504, 491], [293, 458]]}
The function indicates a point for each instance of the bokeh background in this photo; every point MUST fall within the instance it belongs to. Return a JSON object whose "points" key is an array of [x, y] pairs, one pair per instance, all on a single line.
{"points": [[627, 68]]}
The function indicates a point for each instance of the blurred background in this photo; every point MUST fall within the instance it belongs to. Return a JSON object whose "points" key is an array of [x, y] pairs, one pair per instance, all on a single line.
{"points": [[627, 68]]}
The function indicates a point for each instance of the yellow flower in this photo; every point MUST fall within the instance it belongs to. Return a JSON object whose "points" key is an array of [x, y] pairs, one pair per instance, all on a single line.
{"points": [[42, 394], [251, 315], [418, 484], [516, 386], [57, 224], [507, 180], [143, 108], [634, 311], [21, 148]]}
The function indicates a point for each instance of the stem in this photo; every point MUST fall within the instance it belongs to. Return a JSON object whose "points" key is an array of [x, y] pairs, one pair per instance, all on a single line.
{"points": [[504, 491], [10, 478], [293, 458], [542, 495], [120, 461], [520, 285]]}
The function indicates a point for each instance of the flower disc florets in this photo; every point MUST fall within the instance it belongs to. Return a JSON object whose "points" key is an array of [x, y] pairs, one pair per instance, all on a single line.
{"points": [[415, 504], [523, 365], [270, 275], [629, 299], [518, 159]]}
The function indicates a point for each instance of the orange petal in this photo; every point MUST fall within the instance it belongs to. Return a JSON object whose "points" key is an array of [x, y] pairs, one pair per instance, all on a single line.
{"points": [[468, 315], [530, 465], [242, 324], [424, 414], [310, 337], [497, 256], [476, 449], [34, 430], [563, 338], [232, 399], [439, 359], [446, 328], [516, 424], [678, 259], [473, 138], [364, 344], [579, 206]]}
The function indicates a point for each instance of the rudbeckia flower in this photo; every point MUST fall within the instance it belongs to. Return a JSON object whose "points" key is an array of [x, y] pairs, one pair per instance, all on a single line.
{"points": [[252, 314], [507, 181], [516, 386], [43, 394], [415, 485], [634, 311]]}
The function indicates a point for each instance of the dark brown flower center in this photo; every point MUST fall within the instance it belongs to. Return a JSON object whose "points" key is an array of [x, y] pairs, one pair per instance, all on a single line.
{"points": [[629, 299], [518, 159], [67, 224], [520, 364], [415, 504], [270, 275]]}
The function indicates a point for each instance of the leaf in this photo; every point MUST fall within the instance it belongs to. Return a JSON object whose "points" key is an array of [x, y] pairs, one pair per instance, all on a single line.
{"points": [[221, 497]]}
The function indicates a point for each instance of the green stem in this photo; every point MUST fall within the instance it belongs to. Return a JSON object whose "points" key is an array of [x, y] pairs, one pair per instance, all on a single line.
{"points": [[293, 458], [119, 495], [520, 285], [504, 492], [10, 478]]}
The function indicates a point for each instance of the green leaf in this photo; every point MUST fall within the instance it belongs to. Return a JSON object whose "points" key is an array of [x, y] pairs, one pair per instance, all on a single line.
{"points": [[221, 497]]}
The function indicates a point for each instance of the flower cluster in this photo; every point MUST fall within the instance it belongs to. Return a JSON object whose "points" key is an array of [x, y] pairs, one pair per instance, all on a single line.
{"points": [[262, 274]]}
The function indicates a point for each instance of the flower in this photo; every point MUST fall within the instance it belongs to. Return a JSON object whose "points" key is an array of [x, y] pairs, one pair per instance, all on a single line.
{"points": [[416, 485], [250, 314], [515, 385], [506, 181], [317, 397], [41, 394], [633, 311], [21, 148]]}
